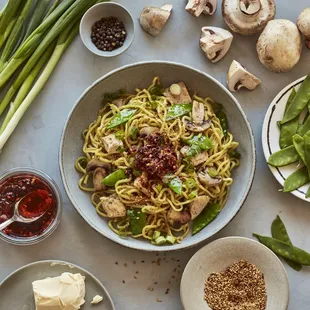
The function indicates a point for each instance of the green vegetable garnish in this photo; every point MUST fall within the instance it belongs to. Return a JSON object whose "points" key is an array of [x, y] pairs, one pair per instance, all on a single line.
{"points": [[120, 118], [160, 240], [212, 172], [198, 144], [193, 194], [170, 239], [137, 220], [221, 115], [156, 234], [114, 177], [178, 110], [120, 134], [134, 131], [190, 183], [176, 185], [159, 187], [234, 154]]}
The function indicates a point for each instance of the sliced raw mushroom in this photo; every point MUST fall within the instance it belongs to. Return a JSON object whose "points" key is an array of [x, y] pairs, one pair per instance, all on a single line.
{"points": [[113, 207], [177, 94], [205, 178], [248, 16], [153, 19], [198, 112], [147, 131], [279, 45], [93, 164], [119, 102], [303, 23], [196, 7], [197, 159], [215, 42], [177, 219], [142, 184], [98, 175], [238, 77], [210, 7], [197, 206], [198, 128]]}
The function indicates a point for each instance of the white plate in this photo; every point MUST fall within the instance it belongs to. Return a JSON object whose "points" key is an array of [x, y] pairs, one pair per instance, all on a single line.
{"points": [[271, 135], [16, 290], [220, 254]]}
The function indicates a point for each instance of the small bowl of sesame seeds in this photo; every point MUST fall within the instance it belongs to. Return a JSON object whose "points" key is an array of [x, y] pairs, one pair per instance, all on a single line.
{"points": [[107, 29]]}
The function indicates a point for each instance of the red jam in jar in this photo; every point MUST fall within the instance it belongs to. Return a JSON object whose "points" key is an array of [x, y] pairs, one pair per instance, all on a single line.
{"points": [[42, 200]]}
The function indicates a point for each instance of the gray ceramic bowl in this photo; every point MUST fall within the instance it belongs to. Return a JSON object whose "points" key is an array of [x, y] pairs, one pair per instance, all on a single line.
{"points": [[106, 9], [141, 75]]}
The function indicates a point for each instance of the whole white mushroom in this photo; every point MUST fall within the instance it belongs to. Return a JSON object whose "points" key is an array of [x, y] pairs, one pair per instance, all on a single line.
{"points": [[279, 45], [303, 23]]}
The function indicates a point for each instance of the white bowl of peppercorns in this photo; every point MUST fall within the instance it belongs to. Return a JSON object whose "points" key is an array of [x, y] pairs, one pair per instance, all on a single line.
{"points": [[107, 29]]}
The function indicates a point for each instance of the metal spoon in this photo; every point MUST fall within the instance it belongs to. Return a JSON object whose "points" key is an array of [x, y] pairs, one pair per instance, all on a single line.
{"points": [[19, 218]]}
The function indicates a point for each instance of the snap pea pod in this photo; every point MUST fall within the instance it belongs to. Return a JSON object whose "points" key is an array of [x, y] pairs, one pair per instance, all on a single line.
{"points": [[299, 144], [299, 102], [283, 157], [221, 115], [114, 177], [137, 220], [278, 231], [178, 110], [308, 193], [120, 118], [285, 250], [208, 214], [305, 127], [288, 129], [176, 185], [307, 153], [297, 179]]}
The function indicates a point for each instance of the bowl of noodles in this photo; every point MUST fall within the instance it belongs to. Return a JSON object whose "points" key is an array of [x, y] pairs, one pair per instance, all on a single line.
{"points": [[157, 156]]}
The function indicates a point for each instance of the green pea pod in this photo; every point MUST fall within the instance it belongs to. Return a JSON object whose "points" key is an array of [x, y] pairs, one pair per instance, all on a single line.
{"points": [[284, 157], [305, 127], [299, 102], [297, 179], [279, 232], [221, 115], [234, 154], [299, 144], [209, 214], [120, 118], [285, 250], [308, 193], [134, 133], [137, 220], [307, 152], [114, 177], [178, 110], [290, 99], [176, 185]]}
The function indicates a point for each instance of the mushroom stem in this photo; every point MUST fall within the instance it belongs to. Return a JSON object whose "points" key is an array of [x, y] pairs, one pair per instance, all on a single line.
{"points": [[250, 7]]}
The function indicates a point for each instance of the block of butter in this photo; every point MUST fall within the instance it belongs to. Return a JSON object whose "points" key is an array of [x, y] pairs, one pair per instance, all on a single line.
{"points": [[65, 292]]}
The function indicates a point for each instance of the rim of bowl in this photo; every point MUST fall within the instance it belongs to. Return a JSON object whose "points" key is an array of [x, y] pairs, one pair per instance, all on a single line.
{"points": [[117, 239], [119, 50], [61, 262], [244, 239], [46, 178]]}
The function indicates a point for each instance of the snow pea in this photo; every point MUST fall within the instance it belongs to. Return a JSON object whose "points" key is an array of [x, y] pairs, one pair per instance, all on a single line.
{"points": [[209, 213], [299, 102], [290, 99], [278, 231], [114, 177], [178, 110], [137, 220], [176, 185], [297, 179], [120, 118], [285, 250], [198, 144], [221, 115], [308, 193], [307, 152], [305, 127], [283, 157], [299, 144]]}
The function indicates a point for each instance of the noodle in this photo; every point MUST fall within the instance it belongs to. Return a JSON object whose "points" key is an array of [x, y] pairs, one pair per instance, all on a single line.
{"points": [[152, 110]]}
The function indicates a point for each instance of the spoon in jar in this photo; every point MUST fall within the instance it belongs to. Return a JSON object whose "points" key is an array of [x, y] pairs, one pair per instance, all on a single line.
{"points": [[30, 208]]}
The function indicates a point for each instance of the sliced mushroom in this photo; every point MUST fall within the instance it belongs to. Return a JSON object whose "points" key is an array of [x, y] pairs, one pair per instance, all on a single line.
{"points": [[98, 176], [279, 45], [180, 97], [147, 131], [303, 23], [142, 184], [111, 144], [177, 219], [205, 178], [197, 206], [93, 164], [198, 128], [198, 112], [197, 159], [248, 16], [215, 42], [113, 207], [210, 7], [119, 102], [196, 7], [238, 77], [153, 19]]}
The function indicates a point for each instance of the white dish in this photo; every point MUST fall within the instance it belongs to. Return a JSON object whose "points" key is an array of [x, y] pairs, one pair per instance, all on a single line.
{"points": [[271, 135], [220, 254], [17, 294]]}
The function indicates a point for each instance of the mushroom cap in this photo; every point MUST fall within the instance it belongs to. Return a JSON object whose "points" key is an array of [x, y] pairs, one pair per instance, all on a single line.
{"points": [[303, 24], [279, 45], [258, 13], [215, 42]]}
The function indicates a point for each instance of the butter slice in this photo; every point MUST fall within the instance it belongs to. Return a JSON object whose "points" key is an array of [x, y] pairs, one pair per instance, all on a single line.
{"points": [[97, 299], [65, 292]]}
